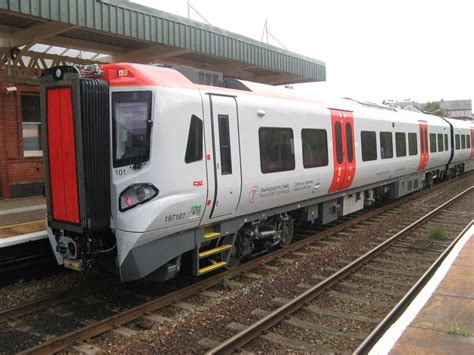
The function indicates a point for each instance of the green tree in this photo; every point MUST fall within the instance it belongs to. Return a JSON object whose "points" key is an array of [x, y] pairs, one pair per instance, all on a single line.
{"points": [[434, 108]]}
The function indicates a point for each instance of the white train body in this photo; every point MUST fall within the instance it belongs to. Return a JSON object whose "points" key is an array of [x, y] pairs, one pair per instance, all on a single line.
{"points": [[222, 160]]}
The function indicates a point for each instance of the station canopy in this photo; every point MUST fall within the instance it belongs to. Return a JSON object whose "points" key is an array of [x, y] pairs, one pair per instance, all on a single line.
{"points": [[38, 34]]}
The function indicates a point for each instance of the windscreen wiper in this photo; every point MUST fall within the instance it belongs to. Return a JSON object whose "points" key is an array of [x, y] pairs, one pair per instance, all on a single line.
{"points": [[143, 147]]}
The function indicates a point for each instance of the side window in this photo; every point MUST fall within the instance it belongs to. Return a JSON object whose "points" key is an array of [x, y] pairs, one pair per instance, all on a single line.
{"points": [[315, 147], [401, 144], [338, 142], [224, 140], [369, 145], [458, 142], [446, 146], [463, 141], [386, 145], [440, 142], [277, 152], [412, 144], [432, 143], [468, 141], [350, 153], [194, 145]]}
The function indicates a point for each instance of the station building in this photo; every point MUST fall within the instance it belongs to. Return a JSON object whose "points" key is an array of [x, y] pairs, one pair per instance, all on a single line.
{"points": [[36, 35]]}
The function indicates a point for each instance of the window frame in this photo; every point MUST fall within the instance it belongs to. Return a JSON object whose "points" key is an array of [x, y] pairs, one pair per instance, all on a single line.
{"points": [[403, 134], [440, 142], [463, 141], [410, 145], [381, 145], [365, 149], [338, 142], [292, 140], [458, 141], [349, 142], [38, 125], [224, 132], [303, 145], [433, 147], [200, 143], [121, 162]]}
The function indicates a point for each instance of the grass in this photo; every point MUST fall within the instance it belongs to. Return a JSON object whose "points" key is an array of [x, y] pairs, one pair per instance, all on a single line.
{"points": [[458, 330], [437, 234]]}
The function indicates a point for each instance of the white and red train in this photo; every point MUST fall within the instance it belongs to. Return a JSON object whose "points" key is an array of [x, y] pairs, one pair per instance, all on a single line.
{"points": [[147, 166]]}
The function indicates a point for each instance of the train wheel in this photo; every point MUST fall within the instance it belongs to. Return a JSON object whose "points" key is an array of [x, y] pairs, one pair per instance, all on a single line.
{"points": [[287, 233], [235, 252]]}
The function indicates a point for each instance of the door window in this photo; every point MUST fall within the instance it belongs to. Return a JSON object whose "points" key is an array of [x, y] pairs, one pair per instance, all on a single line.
{"points": [[224, 140], [350, 153], [338, 142]]}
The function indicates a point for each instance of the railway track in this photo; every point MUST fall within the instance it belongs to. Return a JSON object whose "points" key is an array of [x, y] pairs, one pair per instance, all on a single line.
{"points": [[62, 341], [399, 261], [18, 261]]}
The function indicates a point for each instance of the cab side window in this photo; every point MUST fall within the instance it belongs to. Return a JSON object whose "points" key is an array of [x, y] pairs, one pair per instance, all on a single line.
{"points": [[194, 145]]}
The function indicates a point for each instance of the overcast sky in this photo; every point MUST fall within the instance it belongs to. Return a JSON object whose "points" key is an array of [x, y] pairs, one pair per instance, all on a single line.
{"points": [[373, 49]]}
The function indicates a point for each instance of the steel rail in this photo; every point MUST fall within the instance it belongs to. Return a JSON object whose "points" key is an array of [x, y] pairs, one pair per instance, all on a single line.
{"points": [[24, 261], [401, 306], [252, 332], [69, 339]]}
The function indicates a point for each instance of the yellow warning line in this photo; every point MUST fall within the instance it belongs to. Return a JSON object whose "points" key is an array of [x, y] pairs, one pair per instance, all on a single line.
{"points": [[21, 224]]}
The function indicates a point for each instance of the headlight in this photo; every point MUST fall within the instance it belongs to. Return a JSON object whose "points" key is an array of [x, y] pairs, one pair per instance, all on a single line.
{"points": [[136, 194]]}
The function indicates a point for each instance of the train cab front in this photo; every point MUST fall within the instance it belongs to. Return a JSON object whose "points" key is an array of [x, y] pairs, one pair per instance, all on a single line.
{"points": [[76, 143]]}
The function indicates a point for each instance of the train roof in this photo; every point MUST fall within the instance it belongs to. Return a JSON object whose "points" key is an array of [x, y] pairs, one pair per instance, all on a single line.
{"points": [[132, 74], [460, 123]]}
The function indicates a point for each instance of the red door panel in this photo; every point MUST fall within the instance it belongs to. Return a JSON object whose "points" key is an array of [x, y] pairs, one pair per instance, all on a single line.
{"points": [[342, 123], [337, 124], [424, 153], [62, 155]]}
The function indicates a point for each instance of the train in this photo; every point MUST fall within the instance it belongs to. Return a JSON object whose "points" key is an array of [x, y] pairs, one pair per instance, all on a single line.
{"points": [[153, 166]]}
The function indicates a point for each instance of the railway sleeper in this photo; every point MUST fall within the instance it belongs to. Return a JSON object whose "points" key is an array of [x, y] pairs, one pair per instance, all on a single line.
{"points": [[302, 324], [330, 313], [291, 343]]}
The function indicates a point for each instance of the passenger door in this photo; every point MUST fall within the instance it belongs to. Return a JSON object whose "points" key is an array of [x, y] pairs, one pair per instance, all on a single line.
{"points": [[225, 132], [424, 154], [343, 150]]}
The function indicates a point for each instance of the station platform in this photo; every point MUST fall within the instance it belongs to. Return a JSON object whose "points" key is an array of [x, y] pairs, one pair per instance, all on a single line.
{"points": [[440, 320], [22, 220]]}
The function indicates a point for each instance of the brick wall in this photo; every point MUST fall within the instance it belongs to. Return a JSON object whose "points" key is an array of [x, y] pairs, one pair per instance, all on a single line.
{"points": [[17, 173]]}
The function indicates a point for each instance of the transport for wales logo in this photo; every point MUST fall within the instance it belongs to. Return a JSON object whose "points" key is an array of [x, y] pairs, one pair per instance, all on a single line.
{"points": [[253, 194]]}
